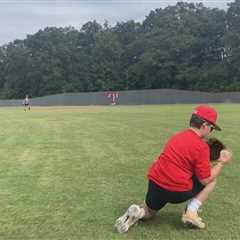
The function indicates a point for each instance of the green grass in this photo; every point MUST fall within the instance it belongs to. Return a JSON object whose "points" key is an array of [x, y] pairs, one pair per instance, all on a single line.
{"points": [[68, 173]]}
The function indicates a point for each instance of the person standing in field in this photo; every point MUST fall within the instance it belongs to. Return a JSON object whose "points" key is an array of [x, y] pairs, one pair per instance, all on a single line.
{"points": [[182, 172], [26, 103]]}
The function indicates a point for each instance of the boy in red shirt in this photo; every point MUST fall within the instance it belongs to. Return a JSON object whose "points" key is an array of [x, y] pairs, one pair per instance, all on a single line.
{"points": [[182, 172]]}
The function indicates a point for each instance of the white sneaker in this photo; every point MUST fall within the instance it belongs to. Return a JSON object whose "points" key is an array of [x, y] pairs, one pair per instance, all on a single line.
{"points": [[128, 219], [192, 218]]}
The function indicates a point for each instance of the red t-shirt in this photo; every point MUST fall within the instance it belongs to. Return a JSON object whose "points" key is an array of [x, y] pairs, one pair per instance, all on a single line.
{"points": [[185, 155]]}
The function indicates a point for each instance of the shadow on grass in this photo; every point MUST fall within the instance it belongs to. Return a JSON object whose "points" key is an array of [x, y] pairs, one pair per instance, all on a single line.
{"points": [[166, 219]]}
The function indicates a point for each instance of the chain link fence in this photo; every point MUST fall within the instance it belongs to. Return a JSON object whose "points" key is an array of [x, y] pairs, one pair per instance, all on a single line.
{"points": [[138, 97]]}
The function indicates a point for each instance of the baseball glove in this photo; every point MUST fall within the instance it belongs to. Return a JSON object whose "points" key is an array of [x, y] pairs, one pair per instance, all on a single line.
{"points": [[215, 147]]}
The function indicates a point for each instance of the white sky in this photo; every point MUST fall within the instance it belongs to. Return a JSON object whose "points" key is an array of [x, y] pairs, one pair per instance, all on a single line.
{"points": [[21, 17]]}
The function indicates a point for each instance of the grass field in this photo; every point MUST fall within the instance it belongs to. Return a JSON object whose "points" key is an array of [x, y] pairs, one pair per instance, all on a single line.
{"points": [[68, 173]]}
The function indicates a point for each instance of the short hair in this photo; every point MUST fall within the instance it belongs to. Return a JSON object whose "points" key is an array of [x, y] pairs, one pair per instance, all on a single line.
{"points": [[196, 121]]}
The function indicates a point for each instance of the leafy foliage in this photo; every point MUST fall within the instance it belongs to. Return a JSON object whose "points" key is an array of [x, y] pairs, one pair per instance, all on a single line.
{"points": [[186, 46]]}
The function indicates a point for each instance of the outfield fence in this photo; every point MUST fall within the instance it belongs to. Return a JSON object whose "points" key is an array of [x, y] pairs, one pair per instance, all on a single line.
{"points": [[138, 97]]}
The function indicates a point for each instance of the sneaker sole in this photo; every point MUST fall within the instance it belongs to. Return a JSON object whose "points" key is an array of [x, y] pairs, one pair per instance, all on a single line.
{"points": [[128, 219], [187, 220]]}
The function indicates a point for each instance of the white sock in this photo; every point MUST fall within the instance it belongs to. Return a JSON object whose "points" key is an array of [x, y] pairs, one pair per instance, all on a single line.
{"points": [[194, 205]]}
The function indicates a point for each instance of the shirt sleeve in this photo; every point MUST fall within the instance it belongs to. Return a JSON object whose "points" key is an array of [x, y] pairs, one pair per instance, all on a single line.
{"points": [[202, 166]]}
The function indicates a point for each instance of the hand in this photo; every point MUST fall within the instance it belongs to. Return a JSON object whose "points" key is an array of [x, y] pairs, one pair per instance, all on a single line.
{"points": [[225, 156]]}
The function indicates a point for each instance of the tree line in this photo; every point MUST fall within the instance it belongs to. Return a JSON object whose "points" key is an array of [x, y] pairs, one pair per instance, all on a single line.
{"points": [[185, 46]]}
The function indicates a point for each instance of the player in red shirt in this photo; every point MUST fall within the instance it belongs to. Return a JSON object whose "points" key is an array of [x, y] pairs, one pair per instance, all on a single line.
{"points": [[182, 172]]}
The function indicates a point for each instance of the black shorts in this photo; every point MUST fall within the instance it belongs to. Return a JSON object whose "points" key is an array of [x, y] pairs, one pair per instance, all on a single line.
{"points": [[157, 197]]}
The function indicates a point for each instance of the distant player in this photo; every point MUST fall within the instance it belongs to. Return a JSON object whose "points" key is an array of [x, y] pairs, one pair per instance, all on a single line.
{"points": [[182, 172], [113, 96], [26, 103]]}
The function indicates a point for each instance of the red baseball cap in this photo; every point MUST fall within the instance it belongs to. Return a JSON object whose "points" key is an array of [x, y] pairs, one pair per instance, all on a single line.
{"points": [[208, 114]]}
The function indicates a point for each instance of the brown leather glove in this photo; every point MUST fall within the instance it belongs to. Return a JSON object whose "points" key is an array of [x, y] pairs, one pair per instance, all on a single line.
{"points": [[215, 147]]}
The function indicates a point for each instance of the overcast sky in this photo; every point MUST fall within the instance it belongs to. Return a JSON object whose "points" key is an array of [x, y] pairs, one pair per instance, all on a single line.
{"points": [[21, 17]]}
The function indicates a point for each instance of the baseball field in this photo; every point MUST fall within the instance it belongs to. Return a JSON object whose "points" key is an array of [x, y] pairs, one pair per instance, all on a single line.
{"points": [[68, 172]]}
